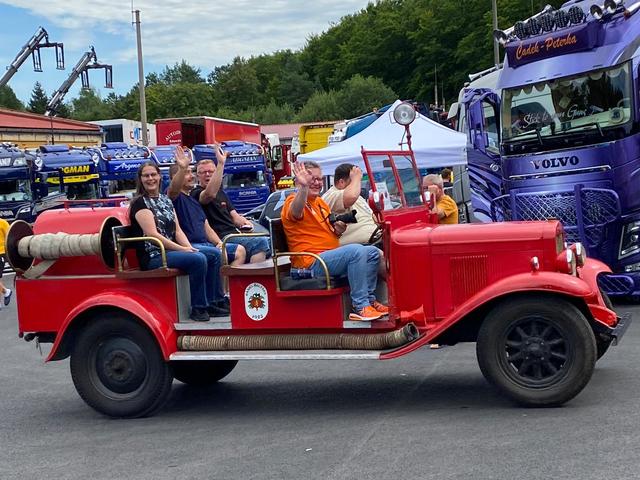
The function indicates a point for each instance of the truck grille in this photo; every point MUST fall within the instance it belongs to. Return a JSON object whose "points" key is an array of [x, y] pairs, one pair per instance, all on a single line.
{"points": [[584, 212]]}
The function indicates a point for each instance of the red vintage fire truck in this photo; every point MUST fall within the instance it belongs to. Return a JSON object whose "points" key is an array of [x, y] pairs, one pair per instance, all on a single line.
{"points": [[530, 302]]}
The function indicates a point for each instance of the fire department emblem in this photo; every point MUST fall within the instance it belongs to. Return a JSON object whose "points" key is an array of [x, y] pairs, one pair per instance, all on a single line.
{"points": [[256, 301]]}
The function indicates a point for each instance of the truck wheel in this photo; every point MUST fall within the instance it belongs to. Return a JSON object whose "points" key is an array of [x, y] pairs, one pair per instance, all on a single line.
{"points": [[118, 369], [538, 351], [202, 373]]}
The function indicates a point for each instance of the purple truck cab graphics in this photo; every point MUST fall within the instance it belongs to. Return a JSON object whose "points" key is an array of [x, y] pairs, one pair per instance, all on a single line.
{"points": [[558, 135]]}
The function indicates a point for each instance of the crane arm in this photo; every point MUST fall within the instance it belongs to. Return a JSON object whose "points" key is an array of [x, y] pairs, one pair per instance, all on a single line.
{"points": [[88, 61], [39, 40]]}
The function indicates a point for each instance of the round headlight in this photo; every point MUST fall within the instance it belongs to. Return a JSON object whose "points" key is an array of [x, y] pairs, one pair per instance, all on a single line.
{"points": [[576, 15], [572, 265], [548, 21], [521, 30], [534, 26], [580, 253], [562, 18], [38, 162], [95, 158], [404, 114], [596, 11]]}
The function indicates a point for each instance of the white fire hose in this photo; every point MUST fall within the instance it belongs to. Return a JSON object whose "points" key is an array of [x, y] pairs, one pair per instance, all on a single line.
{"points": [[49, 247]]}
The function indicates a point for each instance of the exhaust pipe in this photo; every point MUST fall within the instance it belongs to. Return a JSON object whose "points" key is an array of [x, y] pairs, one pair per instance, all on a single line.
{"points": [[338, 341]]}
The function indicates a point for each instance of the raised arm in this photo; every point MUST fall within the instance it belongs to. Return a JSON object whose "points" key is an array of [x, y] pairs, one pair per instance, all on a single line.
{"points": [[211, 190], [183, 162], [352, 192], [303, 179]]}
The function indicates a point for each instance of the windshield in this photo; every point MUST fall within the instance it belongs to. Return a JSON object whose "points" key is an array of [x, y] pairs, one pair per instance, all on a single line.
{"points": [[387, 184], [588, 102], [243, 180], [81, 191], [15, 190]]}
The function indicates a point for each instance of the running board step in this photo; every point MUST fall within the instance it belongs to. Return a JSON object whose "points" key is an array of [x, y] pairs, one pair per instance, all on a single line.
{"points": [[278, 355]]}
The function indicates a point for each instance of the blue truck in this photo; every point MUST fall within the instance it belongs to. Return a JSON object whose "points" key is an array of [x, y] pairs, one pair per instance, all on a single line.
{"points": [[247, 180], [165, 156], [560, 130], [17, 198], [118, 166], [31, 182], [72, 172]]}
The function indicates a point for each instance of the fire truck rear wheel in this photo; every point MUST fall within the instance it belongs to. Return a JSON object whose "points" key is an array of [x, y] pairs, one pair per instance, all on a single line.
{"points": [[118, 369], [202, 373], [539, 351]]}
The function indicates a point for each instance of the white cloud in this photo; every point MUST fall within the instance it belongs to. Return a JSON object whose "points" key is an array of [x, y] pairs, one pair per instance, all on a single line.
{"points": [[205, 33]]}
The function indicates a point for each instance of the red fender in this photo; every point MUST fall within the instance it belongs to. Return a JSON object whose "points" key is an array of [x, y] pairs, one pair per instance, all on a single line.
{"points": [[152, 314], [553, 282]]}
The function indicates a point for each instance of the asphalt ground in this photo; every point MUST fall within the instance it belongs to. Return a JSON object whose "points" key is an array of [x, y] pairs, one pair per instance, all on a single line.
{"points": [[430, 415]]}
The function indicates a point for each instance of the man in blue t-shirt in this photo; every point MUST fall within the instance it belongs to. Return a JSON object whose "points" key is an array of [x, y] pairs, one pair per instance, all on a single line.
{"points": [[194, 223]]}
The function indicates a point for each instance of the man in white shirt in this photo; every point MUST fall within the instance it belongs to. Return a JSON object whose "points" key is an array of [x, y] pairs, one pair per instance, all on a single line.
{"points": [[343, 197]]}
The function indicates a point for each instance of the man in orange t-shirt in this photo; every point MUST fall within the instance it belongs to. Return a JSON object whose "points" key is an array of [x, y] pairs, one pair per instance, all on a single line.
{"points": [[305, 218]]}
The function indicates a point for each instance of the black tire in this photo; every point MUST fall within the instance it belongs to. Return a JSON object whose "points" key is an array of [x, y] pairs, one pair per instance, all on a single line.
{"points": [[537, 351], [202, 373], [118, 369]]}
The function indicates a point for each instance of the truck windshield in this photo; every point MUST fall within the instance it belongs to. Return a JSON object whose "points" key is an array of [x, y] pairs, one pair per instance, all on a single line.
{"points": [[409, 184], [589, 102], [15, 190], [81, 191], [243, 180]]}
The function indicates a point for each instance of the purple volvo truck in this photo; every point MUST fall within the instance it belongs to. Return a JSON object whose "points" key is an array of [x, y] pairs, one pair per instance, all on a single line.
{"points": [[559, 136]]}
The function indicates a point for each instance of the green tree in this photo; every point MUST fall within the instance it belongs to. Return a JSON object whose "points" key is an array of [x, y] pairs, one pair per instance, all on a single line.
{"points": [[64, 111], [236, 85], [320, 106], [274, 113], [39, 99], [180, 73], [8, 99], [361, 95], [89, 106]]}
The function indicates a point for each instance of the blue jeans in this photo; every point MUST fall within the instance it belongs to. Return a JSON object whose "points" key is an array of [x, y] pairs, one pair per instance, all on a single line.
{"points": [[214, 261], [195, 265], [253, 245], [359, 263]]}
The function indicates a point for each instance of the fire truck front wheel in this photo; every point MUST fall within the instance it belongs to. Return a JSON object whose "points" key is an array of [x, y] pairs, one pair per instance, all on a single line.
{"points": [[539, 351], [118, 369], [202, 373]]}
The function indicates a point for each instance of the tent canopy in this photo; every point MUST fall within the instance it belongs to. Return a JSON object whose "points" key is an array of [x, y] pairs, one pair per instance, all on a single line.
{"points": [[434, 145]]}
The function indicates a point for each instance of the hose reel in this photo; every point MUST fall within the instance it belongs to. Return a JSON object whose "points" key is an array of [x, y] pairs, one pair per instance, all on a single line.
{"points": [[23, 248]]}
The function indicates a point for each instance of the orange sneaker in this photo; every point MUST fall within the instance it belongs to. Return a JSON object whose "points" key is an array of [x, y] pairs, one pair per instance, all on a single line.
{"points": [[365, 314], [380, 307]]}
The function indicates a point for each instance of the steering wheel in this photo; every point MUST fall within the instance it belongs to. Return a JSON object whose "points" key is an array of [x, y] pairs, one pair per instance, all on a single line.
{"points": [[624, 102]]}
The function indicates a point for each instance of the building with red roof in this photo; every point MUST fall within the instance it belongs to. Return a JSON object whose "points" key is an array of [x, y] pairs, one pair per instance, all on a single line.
{"points": [[30, 130]]}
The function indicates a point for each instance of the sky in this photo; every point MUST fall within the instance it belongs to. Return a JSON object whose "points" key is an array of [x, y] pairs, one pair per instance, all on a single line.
{"points": [[205, 33]]}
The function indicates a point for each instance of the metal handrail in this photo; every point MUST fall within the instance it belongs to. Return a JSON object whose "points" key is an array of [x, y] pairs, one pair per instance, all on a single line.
{"points": [[300, 254], [158, 243]]}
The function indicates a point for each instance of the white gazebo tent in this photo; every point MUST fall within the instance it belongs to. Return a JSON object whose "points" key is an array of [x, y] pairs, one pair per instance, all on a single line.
{"points": [[434, 145]]}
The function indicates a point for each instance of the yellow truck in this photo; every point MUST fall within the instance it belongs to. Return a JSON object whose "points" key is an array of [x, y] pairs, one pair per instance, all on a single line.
{"points": [[314, 136]]}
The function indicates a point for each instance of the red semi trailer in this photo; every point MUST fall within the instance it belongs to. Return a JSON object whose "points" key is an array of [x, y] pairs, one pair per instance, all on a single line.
{"points": [[190, 131]]}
